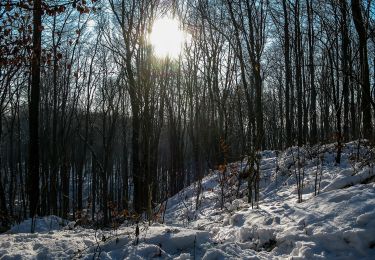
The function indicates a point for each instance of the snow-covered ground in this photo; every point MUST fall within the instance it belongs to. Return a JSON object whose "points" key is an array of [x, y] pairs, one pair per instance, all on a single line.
{"points": [[338, 223]]}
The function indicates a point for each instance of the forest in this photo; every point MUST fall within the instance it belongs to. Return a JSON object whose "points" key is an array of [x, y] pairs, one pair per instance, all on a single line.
{"points": [[98, 121]]}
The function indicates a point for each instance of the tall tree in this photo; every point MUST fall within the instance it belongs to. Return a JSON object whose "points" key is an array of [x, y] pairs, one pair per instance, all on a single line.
{"points": [[33, 178], [288, 75], [313, 112], [345, 65], [360, 26]]}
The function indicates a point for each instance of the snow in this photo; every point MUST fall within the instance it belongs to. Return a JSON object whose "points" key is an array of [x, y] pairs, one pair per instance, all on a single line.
{"points": [[346, 178], [338, 223], [44, 224]]}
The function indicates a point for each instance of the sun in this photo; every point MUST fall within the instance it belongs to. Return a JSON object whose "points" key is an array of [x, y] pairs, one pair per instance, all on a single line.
{"points": [[167, 38]]}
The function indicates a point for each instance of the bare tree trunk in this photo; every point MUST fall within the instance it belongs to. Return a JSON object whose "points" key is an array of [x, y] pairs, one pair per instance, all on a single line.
{"points": [[298, 56], [345, 67], [65, 176], [363, 59], [3, 205], [33, 178], [288, 73], [313, 133], [54, 166]]}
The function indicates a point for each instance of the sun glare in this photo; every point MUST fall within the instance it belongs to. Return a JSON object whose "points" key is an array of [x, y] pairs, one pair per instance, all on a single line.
{"points": [[167, 38]]}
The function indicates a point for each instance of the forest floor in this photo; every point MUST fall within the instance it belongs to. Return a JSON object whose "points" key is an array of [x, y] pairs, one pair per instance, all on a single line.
{"points": [[337, 223]]}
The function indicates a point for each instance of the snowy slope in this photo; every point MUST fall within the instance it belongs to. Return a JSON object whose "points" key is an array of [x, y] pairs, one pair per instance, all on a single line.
{"points": [[338, 223]]}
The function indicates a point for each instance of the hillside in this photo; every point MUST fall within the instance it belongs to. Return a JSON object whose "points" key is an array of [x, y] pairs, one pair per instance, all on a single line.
{"points": [[339, 222]]}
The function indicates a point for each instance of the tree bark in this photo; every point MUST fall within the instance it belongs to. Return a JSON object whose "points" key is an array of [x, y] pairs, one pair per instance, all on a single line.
{"points": [[365, 78], [33, 178], [288, 73], [313, 133], [345, 67]]}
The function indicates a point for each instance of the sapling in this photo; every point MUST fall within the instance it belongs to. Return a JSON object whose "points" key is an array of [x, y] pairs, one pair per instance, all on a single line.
{"points": [[299, 173]]}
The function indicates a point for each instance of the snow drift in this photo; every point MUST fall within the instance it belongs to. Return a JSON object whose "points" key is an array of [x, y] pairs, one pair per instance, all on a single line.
{"points": [[339, 222]]}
